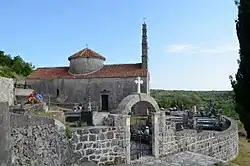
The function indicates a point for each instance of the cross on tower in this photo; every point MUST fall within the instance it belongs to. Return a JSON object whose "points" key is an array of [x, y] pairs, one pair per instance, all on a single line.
{"points": [[139, 81]]}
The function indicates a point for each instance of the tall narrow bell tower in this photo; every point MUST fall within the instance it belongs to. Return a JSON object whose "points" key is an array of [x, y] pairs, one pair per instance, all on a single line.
{"points": [[144, 56]]}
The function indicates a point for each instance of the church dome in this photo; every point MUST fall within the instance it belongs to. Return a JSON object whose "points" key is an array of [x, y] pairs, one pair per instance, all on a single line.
{"points": [[85, 61]]}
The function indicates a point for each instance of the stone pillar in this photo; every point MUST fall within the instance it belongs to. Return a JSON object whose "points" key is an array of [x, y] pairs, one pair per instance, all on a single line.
{"points": [[155, 134], [124, 122], [127, 138], [5, 137]]}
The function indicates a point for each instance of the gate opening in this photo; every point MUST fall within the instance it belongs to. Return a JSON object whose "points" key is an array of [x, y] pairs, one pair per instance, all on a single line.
{"points": [[141, 129]]}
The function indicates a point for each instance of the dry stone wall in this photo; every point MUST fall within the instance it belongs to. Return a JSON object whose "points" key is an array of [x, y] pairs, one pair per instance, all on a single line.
{"points": [[101, 144], [221, 145], [7, 90], [35, 141]]}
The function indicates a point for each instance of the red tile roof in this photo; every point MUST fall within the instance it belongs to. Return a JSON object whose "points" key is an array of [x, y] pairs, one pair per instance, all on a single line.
{"points": [[87, 53], [108, 71]]}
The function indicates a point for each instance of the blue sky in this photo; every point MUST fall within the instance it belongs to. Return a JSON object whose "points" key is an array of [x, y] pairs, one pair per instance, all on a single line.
{"points": [[192, 44]]}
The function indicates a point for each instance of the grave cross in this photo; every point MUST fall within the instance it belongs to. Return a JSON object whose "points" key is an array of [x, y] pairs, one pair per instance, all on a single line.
{"points": [[89, 104], [138, 81]]}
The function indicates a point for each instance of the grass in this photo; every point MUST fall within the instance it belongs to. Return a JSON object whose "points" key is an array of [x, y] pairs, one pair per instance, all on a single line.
{"points": [[55, 115], [243, 158], [9, 73]]}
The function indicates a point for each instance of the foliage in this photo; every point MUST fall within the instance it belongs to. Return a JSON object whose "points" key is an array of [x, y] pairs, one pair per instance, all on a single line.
{"points": [[14, 67], [243, 158], [68, 132], [187, 99], [241, 83]]}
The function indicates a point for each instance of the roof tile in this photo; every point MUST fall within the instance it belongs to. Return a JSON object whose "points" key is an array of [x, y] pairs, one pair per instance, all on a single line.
{"points": [[108, 71], [87, 53]]}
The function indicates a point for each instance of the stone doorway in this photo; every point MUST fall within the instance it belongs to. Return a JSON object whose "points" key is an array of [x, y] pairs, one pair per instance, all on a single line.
{"points": [[128, 106]]}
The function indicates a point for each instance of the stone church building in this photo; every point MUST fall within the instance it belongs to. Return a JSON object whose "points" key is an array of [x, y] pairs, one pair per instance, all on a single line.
{"points": [[88, 77]]}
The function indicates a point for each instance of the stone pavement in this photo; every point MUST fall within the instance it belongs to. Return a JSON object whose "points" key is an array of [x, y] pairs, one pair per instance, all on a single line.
{"points": [[179, 159]]}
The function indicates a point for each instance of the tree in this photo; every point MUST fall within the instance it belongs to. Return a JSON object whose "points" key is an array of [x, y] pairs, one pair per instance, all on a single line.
{"points": [[241, 83], [11, 67], [5, 60]]}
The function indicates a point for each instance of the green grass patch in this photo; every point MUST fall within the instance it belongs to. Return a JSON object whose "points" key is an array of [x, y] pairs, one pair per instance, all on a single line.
{"points": [[243, 158], [55, 115]]}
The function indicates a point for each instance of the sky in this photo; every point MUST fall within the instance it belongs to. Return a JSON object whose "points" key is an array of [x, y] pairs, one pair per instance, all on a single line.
{"points": [[192, 44]]}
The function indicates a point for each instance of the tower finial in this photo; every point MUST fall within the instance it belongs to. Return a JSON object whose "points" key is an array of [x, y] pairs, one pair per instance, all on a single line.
{"points": [[86, 45], [144, 20]]}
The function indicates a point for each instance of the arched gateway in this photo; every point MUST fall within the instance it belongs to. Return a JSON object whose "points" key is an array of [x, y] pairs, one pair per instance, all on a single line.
{"points": [[128, 102], [125, 108]]}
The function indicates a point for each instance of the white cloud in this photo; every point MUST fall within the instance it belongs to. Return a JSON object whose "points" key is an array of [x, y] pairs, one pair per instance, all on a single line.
{"points": [[193, 49], [180, 48]]}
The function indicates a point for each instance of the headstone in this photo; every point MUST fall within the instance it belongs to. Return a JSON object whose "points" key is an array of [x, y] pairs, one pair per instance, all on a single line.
{"points": [[194, 109], [139, 81]]}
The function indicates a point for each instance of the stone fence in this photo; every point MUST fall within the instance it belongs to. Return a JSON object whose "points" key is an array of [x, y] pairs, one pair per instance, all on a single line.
{"points": [[33, 140], [101, 144], [221, 145], [30, 140]]}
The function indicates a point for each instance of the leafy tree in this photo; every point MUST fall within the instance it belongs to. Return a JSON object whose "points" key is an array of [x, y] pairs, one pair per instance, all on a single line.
{"points": [[5, 60], [222, 99], [13, 67], [241, 83]]}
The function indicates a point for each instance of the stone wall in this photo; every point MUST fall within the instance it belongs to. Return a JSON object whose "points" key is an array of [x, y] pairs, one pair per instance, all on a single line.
{"points": [[7, 90], [221, 145], [23, 92], [35, 141], [101, 144], [78, 90]]}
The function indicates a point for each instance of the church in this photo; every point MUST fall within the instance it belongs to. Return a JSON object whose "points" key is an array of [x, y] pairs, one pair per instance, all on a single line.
{"points": [[88, 78]]}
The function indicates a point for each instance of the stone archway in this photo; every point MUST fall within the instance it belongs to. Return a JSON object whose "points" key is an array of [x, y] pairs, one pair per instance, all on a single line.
{"points": [[128, 102], [125, 107]]}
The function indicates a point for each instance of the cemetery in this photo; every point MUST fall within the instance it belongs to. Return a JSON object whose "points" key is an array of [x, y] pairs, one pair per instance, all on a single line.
{"points": [[117, 137], [109, 118]]}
